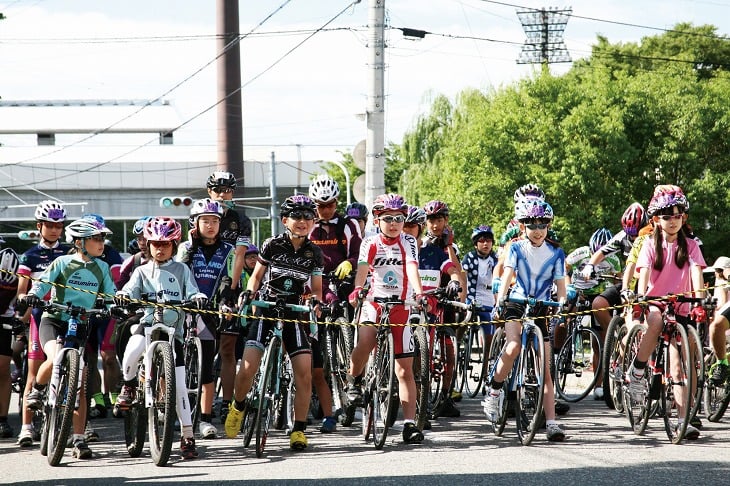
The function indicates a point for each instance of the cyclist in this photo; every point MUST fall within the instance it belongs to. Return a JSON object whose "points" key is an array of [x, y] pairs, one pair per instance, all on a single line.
{"points": [[286, 263], [137, 259], [170, 278], [78, 278], [358, 212], [8, 289], [50, 217], [719, 325], [210, 261], [391, 257], [671, 264], [339, 238], [537, 266]]}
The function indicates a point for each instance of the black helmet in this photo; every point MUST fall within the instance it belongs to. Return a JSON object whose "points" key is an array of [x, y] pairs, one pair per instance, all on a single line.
{"points": [[298, 202], [221, 179], [358, 211]]}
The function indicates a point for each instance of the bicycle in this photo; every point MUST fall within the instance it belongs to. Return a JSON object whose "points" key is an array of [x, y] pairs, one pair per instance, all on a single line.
{"points": [[612, 358], [524, 386], [473, 348], [17, 385], [193, 350], [658, 370], [578, 360]]}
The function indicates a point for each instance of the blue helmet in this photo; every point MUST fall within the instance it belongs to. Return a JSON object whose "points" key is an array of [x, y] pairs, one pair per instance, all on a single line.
{"points": [[479, 231], [599, 238]]}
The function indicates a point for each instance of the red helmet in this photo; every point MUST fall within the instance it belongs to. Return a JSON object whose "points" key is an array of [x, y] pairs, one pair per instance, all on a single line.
{"points": [[634, 219], [162, 229], [436, 208]]}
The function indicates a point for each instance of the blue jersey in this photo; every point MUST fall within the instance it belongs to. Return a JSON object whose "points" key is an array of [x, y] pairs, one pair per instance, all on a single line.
{"points": [[433, 263], [535, 267], [208, 269], [38, 258]]}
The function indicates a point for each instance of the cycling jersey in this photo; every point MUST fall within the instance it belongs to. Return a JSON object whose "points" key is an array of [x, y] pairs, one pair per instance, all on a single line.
{"points": [[35, 260], [287, 269], [619, 242], [208, 263], [235, 228], [578, 258], [536, 267], [337, 248], [478, 269], [387, 264], [433, 262]]}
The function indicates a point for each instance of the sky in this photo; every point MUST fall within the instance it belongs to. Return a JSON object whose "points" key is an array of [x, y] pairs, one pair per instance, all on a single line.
{"points": [[299, 101]]}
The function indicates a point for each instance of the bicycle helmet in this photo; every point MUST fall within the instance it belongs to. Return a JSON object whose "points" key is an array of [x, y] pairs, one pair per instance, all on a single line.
{"points": [[509, 235], [139, 225], [162, 228], [221, 179], [252, 250], [527, 191], [479, 231], [599, 238], [436, 208], [634, 219], [389, 202], [324, 189], [298, 202], [667, 196], [50, 211], [533, 208], [85, 227], [357, 211], [204, 206], [416, 215], [9, 263]]}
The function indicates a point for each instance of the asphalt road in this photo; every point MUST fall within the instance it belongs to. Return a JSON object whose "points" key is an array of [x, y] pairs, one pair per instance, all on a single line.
{"points": [[599, 449]]}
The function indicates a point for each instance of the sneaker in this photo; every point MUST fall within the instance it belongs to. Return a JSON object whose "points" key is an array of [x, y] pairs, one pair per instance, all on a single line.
{"points": [[411, 434], [81, 450], [25, 439], [447, 409], [98, 411], [6, 431], [117, 411], [329, 425], [90, 434], [692, 432], [492, 404], [224, 412], [719, 374], [561, 408], [126, 397], [207, 430], [456, 395], [555, 433], [354, 394], [637, 385], [696, 422], [34, 399], [233, 422], [187, 448], [298, 441], [598, 393]]}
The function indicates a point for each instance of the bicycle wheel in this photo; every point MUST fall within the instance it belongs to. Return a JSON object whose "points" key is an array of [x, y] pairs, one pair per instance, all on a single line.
{"points": [[343, 350], [135, 419], [161, 415], [45, 425], [637, 412], [495, 351], [251, 408], [716, 398], [62, 409], [420, 373], [382, 396], [676, 407], [474, 355], [437, 369], [268, 386], [697, 358], [530, 387], [284, 402], [575, 375], [611, 363], [193, 350]]}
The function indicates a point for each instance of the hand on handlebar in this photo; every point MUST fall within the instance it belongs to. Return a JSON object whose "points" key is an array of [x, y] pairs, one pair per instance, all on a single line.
{"points": [[453, 288]]}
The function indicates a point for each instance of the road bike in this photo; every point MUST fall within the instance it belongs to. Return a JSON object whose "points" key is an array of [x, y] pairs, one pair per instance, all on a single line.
{"points": [[473, 349]]}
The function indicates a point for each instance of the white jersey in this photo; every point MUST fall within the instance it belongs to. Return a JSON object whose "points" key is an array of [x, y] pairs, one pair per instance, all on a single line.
{"points": [[387, 262]]}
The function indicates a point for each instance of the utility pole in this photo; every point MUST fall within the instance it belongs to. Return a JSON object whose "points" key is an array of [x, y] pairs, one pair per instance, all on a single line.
{"points": [[375, 140], [274, 196], [544, 29], [230, 110]]}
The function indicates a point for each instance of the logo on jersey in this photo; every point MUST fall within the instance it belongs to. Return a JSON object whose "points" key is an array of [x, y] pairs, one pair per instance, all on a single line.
{"points": [[288, 284], [384, 262], [390, 279]]}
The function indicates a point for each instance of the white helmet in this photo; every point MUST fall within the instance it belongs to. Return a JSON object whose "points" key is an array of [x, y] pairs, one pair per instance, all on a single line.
{"points": [[204, 206], [324, 189], [9, 264], [51, 211], [85, 228]]}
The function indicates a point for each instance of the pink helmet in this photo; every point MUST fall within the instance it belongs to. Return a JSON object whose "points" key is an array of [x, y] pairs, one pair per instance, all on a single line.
{"points": [[634, 219], [389, 202], [667, 196], [436, 208], [162, 228]]}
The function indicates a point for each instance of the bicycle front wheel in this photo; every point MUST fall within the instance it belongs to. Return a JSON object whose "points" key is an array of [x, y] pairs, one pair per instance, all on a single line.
{"points": [[677, 392], [575, 374], [420, 372], [382, 396], [267, 396], [530, 387], [135, 419], [637, 411], [193, 365], [698, 378], [62, 410], [611, 360], [474, 366], [161, 415], [495, 351], [716, 397]]}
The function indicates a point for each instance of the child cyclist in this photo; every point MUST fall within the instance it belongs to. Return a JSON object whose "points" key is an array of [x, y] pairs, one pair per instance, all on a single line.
{"points": [[211, 261], [669, 263], [8, 290], [161, 275], [77, 278], [537, 264], [286, 263], [392, 258]]}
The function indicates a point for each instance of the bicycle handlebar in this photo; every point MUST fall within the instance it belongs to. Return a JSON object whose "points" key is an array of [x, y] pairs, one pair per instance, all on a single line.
{"points": [[532, 302]]}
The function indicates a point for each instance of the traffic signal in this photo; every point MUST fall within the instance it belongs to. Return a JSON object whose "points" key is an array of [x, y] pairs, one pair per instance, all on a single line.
{"points": [[175, 201], [29, 235]]}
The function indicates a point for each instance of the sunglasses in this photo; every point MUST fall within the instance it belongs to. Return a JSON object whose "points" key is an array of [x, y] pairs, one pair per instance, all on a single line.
{"points": [[393, 219], [99, 238], [327, 205], [669, 217], [222, 190], [536, 226], [296, 215]]}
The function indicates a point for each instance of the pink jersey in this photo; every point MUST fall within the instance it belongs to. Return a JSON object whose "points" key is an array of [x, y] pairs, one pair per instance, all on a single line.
{"points": [[671, 279], [388, 264]]}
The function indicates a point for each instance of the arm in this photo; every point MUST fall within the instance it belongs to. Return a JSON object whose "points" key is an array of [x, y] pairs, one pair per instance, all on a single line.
{"points": [[238, 262], [643, 281], [254, 282], [413, 277], [698, 281], [507, 276]]}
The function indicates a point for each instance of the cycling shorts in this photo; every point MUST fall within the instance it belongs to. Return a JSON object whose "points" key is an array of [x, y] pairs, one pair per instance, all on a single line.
{"points": [[6, 342], [402, 334], [612, 295], [294, 334], [515, 312], [318, 347], [102, 331]]}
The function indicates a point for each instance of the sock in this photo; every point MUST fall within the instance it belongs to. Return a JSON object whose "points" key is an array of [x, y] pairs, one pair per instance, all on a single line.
{"points": [[26, 427], [551, 422], [38, 386], [79, 438], [496, 385], [187, 431], [205, 417], [239, 405], [409, 421], [98, 399], [299, 426], [114, 396]]}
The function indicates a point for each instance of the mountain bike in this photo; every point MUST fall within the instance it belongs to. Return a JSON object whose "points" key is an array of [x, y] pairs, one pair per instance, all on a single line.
{"points": [[193, 350], [473, 348], [612, 360]]}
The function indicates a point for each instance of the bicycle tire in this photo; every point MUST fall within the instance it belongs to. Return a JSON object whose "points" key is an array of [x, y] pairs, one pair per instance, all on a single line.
{"points": [[610, 362], [420, 372], [161, 415], [382, 396], [193, 350], [495, 351], [675, 422], [343, 351], [339, 357], [135, 419], [281, 404], [638, 413], [437, 370], [474, 364], [44, 431], [716, 398], [530, 387], [248, 425], [268, 394], [697, 358], [61, 414], [574, 373]]}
